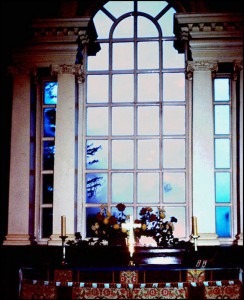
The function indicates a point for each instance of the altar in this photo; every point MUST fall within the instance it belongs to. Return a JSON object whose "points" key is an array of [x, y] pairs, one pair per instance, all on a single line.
{"points": [[102, 272]]}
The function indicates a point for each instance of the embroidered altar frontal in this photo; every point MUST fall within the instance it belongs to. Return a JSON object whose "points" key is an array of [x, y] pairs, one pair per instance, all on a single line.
{"points": [[128, 287]]}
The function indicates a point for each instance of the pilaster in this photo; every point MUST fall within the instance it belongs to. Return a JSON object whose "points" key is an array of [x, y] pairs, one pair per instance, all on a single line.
{"points": [[19, 188], [65, 168], [203, 151]]}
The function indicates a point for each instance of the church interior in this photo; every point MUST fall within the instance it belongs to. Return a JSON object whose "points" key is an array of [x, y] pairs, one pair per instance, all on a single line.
{"points": [[121, 149]]}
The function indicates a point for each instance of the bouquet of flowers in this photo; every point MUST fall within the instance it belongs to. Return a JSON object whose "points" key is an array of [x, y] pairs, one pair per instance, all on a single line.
{"points": [[107, 227], [155, 225]]}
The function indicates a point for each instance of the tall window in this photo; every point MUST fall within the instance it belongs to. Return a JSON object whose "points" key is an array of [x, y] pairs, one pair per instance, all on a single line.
{"points": [[223, 143], [136, 114], [49, 101]]}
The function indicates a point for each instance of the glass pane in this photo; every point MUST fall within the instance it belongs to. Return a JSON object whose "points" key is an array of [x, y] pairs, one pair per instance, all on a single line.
{"points": [[118, 8], [223, 218], [221, 89], [125, 28], [174, 87], [50, 93], [122, 120], [47, 189], [180, 214], [122, 154], [146, 28], [97, 121], [100, 60], [222, 181], [148, 188], [152, 8], [148, 120], [47, 222], [174, 120], [148, 92], [48, 155], [102, 24], [148, 154], [96, 154], [122, 187], [49, 122], [174, 187], [166, 22], [222, 119], [148, 55], [222, 153], [123, 88], [97, 88], [96, 188], [174, 153], [123, 56], [171, 57]]}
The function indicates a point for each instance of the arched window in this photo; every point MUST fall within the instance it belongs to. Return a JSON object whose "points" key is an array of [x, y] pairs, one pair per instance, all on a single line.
{"points": [[136, 130]]}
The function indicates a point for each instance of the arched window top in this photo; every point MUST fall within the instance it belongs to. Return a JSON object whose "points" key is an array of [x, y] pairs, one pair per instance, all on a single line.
{"points": [[151, 18]]}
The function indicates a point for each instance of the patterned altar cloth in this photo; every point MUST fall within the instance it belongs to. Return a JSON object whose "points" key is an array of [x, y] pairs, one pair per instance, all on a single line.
{"points": [[38, 289]]}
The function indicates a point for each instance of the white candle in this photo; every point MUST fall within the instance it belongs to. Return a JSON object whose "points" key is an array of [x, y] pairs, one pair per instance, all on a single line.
{"points": [[63, 226], [194, 226]]}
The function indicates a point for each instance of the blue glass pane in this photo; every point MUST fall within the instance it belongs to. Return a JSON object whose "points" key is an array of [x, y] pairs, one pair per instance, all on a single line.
{"points": [[222, 153], [222, 119], [146, 28], [48, 155], [222, 187], [50, 92], [47, 189], [221, 89], [122, 187], [49, 122], [118, 8], [223, 221], [96, 188], [97, 154], [47, 222]]}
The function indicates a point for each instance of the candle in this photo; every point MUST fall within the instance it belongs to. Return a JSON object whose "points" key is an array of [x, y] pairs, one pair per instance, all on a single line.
{"points": [[63, 226], [194, 226]]}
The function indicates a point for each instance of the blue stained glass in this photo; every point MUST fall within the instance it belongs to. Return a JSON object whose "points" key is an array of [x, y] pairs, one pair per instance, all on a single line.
{"points": [[47, 222], [47, 190], [222, 187], [50, 93], [48, 155], [122, 187], [223, 219], [221, 89], [96, 188], [49, 122], [222, 153]]}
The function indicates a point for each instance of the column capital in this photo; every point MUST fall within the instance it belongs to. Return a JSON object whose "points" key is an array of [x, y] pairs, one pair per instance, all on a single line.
{"points": [[238, 65], [202, 66], [76, 70]]}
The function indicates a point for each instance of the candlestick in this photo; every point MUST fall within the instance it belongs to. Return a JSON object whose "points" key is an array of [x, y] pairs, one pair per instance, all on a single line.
{"points": [[63, 225], [63, 238]]}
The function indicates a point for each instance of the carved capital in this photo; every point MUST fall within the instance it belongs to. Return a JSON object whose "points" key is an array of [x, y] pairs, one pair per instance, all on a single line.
{"points": [[238, 66], [202, 66], [76, 70]]}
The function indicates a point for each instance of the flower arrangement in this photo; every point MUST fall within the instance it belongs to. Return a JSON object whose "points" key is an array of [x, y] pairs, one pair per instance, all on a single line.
{"points": [[107, 227], [155, 225]]}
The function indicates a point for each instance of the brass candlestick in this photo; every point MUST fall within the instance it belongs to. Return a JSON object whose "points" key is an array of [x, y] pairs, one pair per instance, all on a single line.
{"points": [[195, 237], [63, 238]]}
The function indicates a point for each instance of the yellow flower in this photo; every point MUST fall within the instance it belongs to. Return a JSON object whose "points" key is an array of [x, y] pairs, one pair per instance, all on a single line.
{"points": [[108, 214], [124, 230], [144, 227], [116, 226], [105, 221], [162, 215]]}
